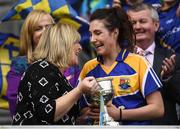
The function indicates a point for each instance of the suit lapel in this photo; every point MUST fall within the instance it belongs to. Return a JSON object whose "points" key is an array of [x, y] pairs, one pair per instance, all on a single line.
{"points": [[159, 55]]}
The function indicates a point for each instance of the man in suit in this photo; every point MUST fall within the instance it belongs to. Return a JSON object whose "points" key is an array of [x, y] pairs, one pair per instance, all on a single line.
{"points": [[166, 64]]}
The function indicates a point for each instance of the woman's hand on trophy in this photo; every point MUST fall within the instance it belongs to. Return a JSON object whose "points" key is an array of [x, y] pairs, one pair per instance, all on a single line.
{"points": [[88, 85], [113, 111], [82, 120], [89, 112], [94, 113]]}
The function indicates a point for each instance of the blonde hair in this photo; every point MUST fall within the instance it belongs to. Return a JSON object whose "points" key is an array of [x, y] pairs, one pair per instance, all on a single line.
{"points": [[56, 44], [28, 28]]}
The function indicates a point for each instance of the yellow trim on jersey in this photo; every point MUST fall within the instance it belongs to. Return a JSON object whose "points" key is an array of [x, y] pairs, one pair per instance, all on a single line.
{"points": [[87, 68]]}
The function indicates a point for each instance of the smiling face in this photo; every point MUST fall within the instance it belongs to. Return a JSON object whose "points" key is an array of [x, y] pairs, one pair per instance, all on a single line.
{"points": [[105, 42], [41, 25], [144, 26]]}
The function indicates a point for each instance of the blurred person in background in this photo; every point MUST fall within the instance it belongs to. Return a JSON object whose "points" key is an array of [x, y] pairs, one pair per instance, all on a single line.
{"points": [[125, 4], [169, 30]]}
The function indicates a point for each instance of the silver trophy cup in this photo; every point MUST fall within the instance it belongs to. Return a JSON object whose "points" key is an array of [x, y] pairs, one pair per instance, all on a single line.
{"points": [[106, 88], [106, 92]]}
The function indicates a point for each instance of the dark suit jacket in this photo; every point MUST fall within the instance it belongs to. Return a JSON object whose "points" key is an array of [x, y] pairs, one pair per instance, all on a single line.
{"points": [[170, 90]]}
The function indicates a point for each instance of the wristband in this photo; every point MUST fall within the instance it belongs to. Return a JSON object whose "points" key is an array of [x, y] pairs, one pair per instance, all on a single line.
{"points": [[120, 118]]}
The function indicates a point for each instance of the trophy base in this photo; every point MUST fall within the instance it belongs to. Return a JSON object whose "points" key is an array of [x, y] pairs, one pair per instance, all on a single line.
{"points": [[112, 123]]}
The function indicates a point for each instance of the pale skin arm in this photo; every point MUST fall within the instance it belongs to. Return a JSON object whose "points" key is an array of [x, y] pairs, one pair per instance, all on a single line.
{"points": [[65, 103], [153, 109]]}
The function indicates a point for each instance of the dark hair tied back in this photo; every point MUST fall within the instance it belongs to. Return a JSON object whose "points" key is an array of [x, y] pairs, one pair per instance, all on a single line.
{"points": [[116, 18]]}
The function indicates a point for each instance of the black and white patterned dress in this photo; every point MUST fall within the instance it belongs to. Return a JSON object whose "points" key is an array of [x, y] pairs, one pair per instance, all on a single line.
{"points": [[40, 86]]}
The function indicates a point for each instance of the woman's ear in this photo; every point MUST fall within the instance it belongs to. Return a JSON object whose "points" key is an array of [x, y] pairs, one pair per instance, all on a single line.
{"points": [[115, 33]]}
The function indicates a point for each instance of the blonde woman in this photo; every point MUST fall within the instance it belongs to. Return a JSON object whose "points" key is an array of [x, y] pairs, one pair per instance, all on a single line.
{"points": [[45, 96]]}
